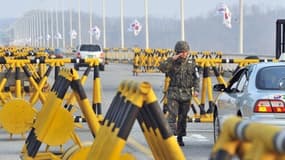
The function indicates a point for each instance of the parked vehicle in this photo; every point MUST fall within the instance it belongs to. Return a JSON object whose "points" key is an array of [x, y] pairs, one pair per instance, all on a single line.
{"points": [[90, 51], [255, 92]]}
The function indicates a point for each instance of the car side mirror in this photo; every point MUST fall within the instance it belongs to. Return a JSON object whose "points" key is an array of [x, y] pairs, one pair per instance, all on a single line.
{"points": [[219, 87]]}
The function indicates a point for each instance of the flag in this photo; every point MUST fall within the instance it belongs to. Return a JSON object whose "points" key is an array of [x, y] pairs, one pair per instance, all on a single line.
{"points": [[135, 27], [227, 15], [95, 31], [58, 36], [73, 34]]}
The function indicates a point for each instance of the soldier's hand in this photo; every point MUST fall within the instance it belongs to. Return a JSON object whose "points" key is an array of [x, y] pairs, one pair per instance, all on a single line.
{"points": [[175, 57]]}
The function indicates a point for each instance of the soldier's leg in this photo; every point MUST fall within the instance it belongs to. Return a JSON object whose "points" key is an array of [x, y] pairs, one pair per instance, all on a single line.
{"points": [[182, 118], [172, 107]]}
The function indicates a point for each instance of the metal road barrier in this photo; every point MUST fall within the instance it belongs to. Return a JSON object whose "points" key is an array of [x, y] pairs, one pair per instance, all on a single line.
{"points": [[133, 101], [249, 140], [53, 116], [12, 118]]}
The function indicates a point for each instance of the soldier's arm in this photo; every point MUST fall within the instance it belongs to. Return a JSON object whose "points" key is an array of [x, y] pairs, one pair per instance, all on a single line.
{"points": [[166, 65], [196, 79]]}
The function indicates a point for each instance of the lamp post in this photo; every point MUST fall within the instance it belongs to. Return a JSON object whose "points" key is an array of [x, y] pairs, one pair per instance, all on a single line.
{"points": [[90, 21], [104, 22], [122, 24], [63, 26], [182, 19], [52, 28], [70, 25], [146, 24], [79, 23], [241, 26]]}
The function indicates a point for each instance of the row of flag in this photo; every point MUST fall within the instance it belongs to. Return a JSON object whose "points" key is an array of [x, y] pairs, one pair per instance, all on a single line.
{"points": [[136, 26]]}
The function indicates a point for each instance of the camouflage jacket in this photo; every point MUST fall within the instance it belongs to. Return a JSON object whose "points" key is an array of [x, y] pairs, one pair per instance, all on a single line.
{"points": [[182, 78]]}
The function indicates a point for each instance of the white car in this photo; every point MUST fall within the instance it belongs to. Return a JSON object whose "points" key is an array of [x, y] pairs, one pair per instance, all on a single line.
{"points": [[90, 51], [256, 93]]}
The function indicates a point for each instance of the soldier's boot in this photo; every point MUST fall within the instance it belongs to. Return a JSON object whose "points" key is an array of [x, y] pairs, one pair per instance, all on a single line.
{"points": [[180, 141]]}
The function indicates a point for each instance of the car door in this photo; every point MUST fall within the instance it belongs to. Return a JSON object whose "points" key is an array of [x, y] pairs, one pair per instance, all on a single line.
{"points": [[230, 99]]}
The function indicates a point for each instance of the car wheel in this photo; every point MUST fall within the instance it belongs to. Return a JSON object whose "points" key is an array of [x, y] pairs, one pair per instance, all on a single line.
{"points": [[101, 67], [217, 127]]}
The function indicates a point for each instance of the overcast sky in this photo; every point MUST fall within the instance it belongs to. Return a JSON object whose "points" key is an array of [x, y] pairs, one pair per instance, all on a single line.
{"points": [[133, 8]]}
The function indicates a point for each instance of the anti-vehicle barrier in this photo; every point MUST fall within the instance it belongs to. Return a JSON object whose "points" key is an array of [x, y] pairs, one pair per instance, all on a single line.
{"points": [[12, 118], [133, 101], [54, 116], [245, 139]]}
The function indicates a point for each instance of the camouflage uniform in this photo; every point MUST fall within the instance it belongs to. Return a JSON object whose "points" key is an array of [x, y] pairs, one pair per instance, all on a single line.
{"points": [[182, 79]]}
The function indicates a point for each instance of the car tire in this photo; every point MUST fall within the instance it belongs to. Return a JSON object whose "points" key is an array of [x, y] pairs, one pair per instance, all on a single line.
{"points": [[216, 126], [101, 67]]}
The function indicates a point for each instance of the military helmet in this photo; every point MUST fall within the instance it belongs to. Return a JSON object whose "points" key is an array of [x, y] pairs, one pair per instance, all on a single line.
{"points": [[181, 46]]}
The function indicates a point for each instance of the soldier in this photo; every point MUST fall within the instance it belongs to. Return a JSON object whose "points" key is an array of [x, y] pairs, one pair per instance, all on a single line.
{"points": [[184, 81]]}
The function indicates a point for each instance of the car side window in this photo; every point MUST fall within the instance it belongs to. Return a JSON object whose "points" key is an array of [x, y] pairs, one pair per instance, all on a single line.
{"points": [[242, 82], [237, 83]]}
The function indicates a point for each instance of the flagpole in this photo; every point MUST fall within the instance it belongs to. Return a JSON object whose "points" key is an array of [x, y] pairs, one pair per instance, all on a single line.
{"points": [[47, 29], [146, 24], [52, 28], [241, 27], [79, 23], [56, 24], [182, 20], [122, 24], [70, 25], [63, 25], [90, 20], [104, 23]]}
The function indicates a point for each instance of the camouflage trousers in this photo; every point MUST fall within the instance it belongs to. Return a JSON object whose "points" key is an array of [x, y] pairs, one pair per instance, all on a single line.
{"points": [[177, 116]]}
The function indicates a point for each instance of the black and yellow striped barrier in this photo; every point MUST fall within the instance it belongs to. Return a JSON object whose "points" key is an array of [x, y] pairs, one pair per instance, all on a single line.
{"points": [[133, 101], [26, 113], [53, 117], [249, 140]]}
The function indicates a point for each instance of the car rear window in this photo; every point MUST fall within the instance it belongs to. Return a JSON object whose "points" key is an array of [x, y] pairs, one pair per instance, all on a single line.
{"points": [[270, 77], [90, 48]]}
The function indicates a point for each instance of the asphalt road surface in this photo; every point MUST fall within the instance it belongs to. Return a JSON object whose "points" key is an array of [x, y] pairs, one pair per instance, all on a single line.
{"points": [[198, 142]]}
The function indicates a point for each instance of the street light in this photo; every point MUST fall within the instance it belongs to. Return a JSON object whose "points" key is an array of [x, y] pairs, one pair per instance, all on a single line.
{"points": [[79, 24], [122, 24], [241, 26], [90, 21], [182, 20], [146, 24], [63, 26], [104, 22]]}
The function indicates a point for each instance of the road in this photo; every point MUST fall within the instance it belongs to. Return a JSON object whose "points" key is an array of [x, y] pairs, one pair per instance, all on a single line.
{"points": [[198, 142]]}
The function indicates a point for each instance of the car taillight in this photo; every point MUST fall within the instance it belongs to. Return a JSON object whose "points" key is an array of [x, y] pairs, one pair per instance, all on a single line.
{"points": [[78, 55], [269, 106]]}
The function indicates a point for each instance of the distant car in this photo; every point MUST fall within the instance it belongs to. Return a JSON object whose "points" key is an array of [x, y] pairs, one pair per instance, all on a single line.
{"points": [[90, 51], [255, 92]]}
